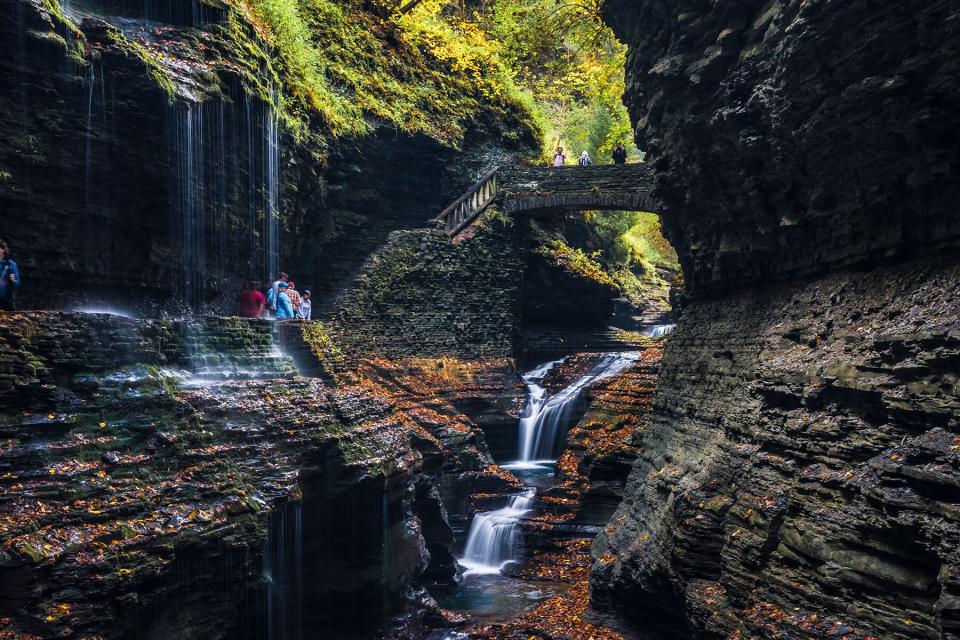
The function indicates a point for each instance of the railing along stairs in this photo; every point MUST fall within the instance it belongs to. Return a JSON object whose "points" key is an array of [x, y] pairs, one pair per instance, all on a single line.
{"points": [[465, 209]]}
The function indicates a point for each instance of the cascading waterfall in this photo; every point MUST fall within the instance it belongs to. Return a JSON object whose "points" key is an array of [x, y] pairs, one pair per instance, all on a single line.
{"points": [[272, 189], [494, 538], [660, 330], [545, 421], [188, 200]]}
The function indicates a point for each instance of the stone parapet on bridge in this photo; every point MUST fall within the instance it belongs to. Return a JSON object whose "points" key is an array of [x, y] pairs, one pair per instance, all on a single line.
{"points": [[625, 187]]}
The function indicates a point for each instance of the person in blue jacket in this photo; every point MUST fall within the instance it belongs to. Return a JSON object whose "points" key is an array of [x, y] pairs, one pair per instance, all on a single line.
{"points": [[284, 304], [9, 279]]}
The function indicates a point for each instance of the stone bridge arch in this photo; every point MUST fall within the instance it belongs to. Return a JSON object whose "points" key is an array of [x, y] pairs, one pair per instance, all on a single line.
{"points": [[542, 190], [539, 190]]}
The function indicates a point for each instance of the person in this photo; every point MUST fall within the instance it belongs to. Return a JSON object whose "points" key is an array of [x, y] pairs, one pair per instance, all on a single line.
{"points": [[274, 290], [584, 159], [558, 158], [306, 308], [9, 279], [619, 154], [252, 301], [294, 296], [284, 306]]}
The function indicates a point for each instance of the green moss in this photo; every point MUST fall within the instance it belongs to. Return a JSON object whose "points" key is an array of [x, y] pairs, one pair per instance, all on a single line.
{"points": [[353, 68], [150, 61], [576, 261]]}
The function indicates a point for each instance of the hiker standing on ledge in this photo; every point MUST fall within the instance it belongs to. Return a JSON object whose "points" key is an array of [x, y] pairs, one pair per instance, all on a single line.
{"points": [[619, 154], [9, 279], [558, 158]]}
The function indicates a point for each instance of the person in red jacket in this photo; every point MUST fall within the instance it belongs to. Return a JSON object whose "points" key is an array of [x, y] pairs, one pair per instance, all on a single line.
{"points": [[252, 301]]}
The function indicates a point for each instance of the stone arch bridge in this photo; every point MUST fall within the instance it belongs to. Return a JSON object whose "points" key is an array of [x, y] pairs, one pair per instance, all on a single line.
{"points": [[526, 190]]}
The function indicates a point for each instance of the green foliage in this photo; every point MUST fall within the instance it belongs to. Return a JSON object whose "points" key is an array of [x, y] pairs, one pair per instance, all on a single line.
{"points": [[627, 247], [422, 73], [576, 261], [562, 55]]}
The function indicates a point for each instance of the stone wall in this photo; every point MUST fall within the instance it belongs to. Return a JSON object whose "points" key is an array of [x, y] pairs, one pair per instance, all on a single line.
{"points": [[800, 468], [798, 471], [424, 295], [792, 137]]}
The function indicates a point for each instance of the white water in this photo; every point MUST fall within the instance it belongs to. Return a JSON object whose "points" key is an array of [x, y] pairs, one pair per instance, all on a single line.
{"points": [[660, 330], [545, 421], [494, 538]]}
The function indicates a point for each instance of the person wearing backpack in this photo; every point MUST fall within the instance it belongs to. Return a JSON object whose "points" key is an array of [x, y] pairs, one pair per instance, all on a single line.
{"points": [[584, 159], [9, 279], [619, 154]]}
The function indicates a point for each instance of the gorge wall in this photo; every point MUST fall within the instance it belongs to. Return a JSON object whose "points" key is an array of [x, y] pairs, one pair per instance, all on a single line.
{"points": [[174, 479], [153, 156], [798, 476]]}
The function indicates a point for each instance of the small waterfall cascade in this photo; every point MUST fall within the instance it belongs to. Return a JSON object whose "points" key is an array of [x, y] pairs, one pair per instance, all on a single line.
{"points": [[494, 539], [545, 421], [659, 330]]}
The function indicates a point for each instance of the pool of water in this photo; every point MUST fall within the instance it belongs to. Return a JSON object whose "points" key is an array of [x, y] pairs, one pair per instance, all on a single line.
{"points": [[495, 598]]}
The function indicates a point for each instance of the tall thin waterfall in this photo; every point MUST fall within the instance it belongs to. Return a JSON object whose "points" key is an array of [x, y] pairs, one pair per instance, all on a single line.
{"points": [[271, 190], [545, 421], [494, 538], [224, 160], [188, 197]]}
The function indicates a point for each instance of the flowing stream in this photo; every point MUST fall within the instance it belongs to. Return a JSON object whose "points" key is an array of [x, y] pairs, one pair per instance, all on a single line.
{"points": [[495, 538]]}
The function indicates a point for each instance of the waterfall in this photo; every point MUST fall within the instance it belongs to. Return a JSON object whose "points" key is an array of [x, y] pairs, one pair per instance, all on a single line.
{"points": [[494, 538], [271, 189], [283, 573], [545, 421], [212, 145], [659, 330], [188, 198]]}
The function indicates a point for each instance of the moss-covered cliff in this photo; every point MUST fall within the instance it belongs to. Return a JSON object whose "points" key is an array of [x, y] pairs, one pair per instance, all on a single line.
{"points": [[161, 155]]}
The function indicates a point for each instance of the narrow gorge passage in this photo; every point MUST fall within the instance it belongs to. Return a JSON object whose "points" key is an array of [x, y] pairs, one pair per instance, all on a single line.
{"points": [[479, 320]]}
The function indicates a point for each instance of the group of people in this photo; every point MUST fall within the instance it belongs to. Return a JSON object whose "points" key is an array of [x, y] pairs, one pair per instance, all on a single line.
{"points": [[619, 156], [281, 301]]}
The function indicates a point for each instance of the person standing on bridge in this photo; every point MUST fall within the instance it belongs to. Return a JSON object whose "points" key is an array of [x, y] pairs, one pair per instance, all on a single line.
{"points": [[558, 158], [584, 159], [619, 154]]}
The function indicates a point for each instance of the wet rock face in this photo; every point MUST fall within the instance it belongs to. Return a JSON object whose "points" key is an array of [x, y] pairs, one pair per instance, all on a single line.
{"points": [[799, 473], [790, 137], [249, 508], [114, 191]]}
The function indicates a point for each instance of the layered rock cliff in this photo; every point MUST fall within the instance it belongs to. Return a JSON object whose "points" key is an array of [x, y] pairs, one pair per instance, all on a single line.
{"points": [[174, 480], [799, 474]]}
